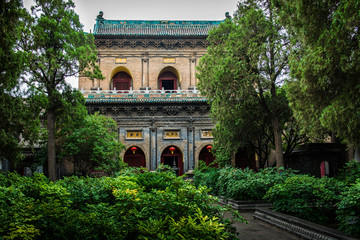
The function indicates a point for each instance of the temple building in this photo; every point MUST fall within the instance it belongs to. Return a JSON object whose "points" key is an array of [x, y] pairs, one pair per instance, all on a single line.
{"points": [[150, 90]]}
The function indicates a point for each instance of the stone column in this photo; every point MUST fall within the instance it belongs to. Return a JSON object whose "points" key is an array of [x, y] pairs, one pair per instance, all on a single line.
{"points": [[153, 148], [191, 145]]}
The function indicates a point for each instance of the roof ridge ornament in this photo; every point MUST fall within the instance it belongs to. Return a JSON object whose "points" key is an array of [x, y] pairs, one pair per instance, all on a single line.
{"points": [[100, 18], [227, 15]]}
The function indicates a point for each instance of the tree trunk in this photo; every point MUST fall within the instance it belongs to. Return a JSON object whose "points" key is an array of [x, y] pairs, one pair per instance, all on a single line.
{"points": [[51, 144], [278, 143]]}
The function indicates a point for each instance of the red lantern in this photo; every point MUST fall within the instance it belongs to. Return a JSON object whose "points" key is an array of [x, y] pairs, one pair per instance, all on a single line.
{"points": [[133, 149], [209, 148], [172, 149]]}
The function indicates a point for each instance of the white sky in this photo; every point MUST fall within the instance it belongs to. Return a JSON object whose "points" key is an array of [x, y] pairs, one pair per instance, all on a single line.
{"points": [[148, 10]]}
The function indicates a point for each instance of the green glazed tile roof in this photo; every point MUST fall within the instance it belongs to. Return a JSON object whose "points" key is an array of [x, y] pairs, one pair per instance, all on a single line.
{"points": [[153, 28]]}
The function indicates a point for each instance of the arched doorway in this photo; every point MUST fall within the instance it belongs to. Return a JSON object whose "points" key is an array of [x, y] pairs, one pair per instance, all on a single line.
{"points": [[168, 80], [206, 155], [172, 157], [121, 81], [135, 158]]}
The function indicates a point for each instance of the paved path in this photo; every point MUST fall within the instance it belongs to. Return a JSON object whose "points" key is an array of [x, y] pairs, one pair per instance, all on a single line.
{"points": [[256, 230]]}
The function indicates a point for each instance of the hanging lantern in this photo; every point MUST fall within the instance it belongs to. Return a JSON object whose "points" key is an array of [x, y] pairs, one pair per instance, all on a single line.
{"points": [[209, 148], [172, 149], [133, 149]]}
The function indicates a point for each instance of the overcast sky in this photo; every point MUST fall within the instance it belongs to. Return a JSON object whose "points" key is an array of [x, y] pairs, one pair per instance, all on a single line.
{"points": [[149, 10]]}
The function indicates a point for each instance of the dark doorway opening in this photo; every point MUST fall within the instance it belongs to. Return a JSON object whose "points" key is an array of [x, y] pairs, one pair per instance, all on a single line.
{"points": [[167, 84], [136, 159], [173, 159], [168, 81]]}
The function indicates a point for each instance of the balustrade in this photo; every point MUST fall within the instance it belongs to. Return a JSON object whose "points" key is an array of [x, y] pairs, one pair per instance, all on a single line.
{"points": [[146, 93]]}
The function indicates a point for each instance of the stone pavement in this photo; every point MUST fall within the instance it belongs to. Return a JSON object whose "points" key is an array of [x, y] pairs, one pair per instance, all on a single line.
{"points": [[256, 230]]}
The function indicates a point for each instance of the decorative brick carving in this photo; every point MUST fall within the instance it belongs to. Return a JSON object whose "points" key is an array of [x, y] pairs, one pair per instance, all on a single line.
{"points": [[128, 110], [172, 110], [145, 43], [103, 110], [115, 110], [193, 43], [203, 109], [108, 43], [153, 110], [140, 110], [133, 43], [157, 43], [190, 109], [120, 43]]}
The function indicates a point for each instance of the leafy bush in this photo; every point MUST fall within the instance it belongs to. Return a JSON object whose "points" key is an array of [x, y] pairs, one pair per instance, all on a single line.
{"points": [[240, 184], [350, 173], [198, 226], [306, 197], [126, 207], [206, 176], [348, 210], [31, 207]]}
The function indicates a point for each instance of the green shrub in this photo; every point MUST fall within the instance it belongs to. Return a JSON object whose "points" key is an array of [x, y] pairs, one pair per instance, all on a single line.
{"points": [[350, 172], [108, 208], [306, 197], [198, 226], [31, 207], [348, 210], [240, 184], [206, 176]]}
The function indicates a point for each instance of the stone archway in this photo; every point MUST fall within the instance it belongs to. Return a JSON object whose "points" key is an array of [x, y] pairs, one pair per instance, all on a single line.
{"points": [[135, 158], [174, 159]]}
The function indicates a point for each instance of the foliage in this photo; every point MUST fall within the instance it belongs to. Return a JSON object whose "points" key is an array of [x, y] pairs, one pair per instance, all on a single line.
{"points": [[31, 207], [324, 65], [348, 210], [240, 184], [206, 176], [94, 145], [241, 76], [18, 115], [306, 197], [191, 227], [55, 47], [125, 207], [350, 172]]}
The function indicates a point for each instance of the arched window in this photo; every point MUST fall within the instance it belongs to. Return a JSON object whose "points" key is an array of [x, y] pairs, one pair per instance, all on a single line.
{"points": [[122, 81], [168, 81]]}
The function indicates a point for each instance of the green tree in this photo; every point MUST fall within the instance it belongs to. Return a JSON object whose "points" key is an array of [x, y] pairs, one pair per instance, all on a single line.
{"points": [[55, 47], [324, 64], [18, 115], [94, 145], [242, 72]]}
